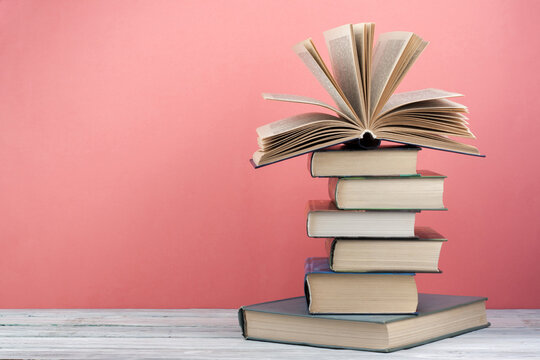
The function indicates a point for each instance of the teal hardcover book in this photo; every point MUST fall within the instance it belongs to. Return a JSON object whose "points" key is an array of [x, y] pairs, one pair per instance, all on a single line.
{"points": [[288, 321]]}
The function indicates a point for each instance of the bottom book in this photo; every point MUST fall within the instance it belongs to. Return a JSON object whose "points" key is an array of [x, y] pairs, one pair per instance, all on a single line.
{"points": [[438, 317]]}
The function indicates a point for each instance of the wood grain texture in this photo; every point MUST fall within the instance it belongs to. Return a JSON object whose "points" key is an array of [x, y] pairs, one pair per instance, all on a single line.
{"points": [[215, 334]]}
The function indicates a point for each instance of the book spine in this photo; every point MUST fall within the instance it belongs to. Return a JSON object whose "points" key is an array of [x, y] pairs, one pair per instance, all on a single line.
{"points": [[330, 247], [308, 265], [310, 164], [332, 189], [307, 224], [242, 321], [307, 293]]}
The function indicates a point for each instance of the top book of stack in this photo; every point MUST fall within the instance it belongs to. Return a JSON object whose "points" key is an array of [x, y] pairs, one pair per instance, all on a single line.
{"points": [[362, 83], [342, 161]]}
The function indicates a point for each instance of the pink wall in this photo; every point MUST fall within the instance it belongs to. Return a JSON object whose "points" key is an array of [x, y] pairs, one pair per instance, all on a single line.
{"points": [[126, 128]]}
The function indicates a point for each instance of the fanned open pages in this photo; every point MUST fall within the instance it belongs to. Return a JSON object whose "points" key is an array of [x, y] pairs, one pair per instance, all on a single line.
{"points": [[341, 46], [305, 100], [309, 55], [362, 82]]}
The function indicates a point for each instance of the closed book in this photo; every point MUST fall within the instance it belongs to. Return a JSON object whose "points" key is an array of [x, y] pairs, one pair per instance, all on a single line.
{"points": [[325, 220], [329, 292], [438, 317], [418, 254], [423, 191], [344, 161]]}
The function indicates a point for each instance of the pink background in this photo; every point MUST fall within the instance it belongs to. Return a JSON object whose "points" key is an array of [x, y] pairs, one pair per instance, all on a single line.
{"points": [[126, 129]]}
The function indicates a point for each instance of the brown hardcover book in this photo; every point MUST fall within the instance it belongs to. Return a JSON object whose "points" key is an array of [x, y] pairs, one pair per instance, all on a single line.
{"points": [[418, 254]]}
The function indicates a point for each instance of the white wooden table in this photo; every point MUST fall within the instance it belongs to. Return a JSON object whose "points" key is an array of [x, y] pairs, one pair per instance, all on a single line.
{"points": [[215, 334]]}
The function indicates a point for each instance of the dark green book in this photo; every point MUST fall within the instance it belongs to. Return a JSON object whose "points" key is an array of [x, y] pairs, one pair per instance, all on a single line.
{"points": [[438, 317], [423, 191]]}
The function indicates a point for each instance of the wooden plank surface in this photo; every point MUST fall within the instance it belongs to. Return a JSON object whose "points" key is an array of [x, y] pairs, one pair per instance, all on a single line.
{"points": [[215, 334]]}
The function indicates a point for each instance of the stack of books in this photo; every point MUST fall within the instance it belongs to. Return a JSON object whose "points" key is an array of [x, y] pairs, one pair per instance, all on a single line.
{"points": [[364, 294]]}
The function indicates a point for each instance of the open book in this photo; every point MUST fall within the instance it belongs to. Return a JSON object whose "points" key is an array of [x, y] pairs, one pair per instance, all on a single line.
{"points": [[361, 84]]}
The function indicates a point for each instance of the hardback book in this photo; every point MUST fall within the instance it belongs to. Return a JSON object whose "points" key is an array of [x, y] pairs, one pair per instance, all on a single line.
{"points": [[325, 220], [438, 317], [329, 292], [344, 161], [419, 254], [421, 192], [361, 83]]}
